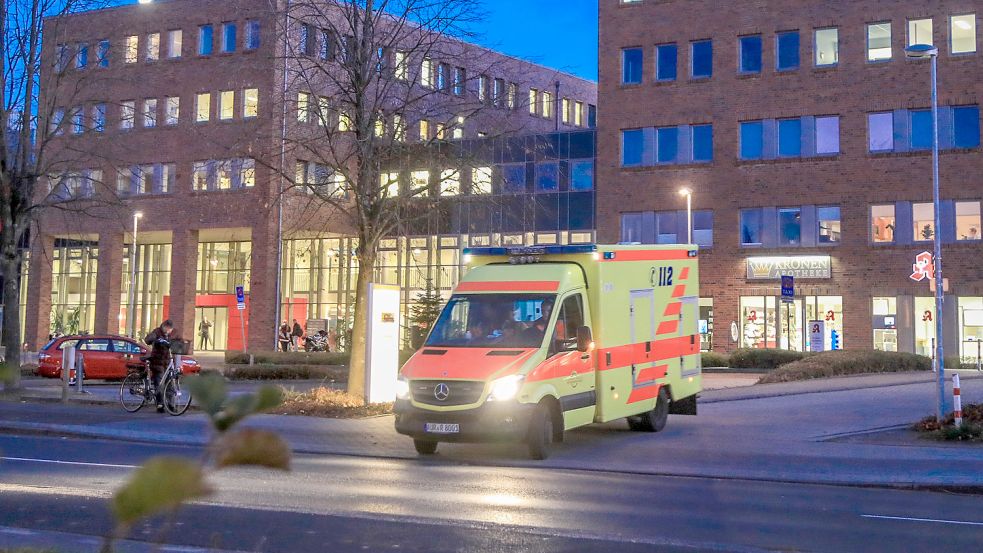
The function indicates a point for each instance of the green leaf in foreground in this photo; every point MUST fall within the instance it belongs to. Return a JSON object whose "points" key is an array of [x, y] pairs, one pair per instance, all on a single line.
{"points": [[209, 391], [161, 484], [250, 447]]}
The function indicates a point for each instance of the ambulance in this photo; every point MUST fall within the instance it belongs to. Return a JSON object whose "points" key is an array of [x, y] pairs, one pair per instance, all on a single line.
{"points": [[539, 340]]}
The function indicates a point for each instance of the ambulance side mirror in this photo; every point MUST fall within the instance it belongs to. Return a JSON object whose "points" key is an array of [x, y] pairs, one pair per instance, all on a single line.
{"points": [[584, 339]]}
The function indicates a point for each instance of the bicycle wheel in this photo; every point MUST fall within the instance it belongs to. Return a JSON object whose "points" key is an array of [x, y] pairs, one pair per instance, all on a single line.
{"points": [[176, 399], [133, 392]]}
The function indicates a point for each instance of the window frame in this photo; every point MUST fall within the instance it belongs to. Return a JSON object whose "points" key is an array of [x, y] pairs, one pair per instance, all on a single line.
{"points": [[778, 51], [741, 44], [625, 73], [815, 47], [894, 224], [692, 59], [867, 48]]}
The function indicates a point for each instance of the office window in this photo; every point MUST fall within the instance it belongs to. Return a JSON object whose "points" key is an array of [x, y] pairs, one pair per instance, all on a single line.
{"points": [[752, 136], [882, 224], [666, 62], [967, 220], [175, 41], [481, 180], [153, 47], [450, 182], [790, 226], [513, 94], [547, 176], [533, 101], [631, 65], [578, 114], [547, 99], [226, 104], [250, 102], [962, 34], [827, 47], [498, 89], [921, 129], [703, 227], [752, 227], [565, 111], [99, 117], [482, 88], [923, 221], [666, 227], [344, 122], [750, 47], [667, 144], [127, 114], [223, 174], [203, 107], [632, 146], [424, 130], [581, 175], [323, 110], [247, 172], [701, 54], [399, 128], [426, 73], [150, 112], [102, 54], [252, 34], [308, 40], [205, 40], [880, 129], [829, 224], [920, 32], [57, 118], [173, 110], [62, 57], [828, 135], [702, 143], [443, 77], [200, 175], [966, 126], [132, 49], [879, 41], [78, 120], [228, 37], [459, 77], [788, 51], [790, 137], [401, 66], [303, 107], [82, 56], [459, 127]]}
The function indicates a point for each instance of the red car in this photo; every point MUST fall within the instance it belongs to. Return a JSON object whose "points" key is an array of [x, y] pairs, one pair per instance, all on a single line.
{"points": [[106, 356]]}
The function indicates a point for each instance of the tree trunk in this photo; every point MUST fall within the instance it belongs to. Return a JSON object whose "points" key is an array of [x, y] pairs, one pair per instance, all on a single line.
{"points": [[360, 322], [11, 319]]}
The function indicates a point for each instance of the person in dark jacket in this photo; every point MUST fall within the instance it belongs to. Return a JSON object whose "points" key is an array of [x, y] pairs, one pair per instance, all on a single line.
{"points": [[160, 353], [296, 335]]}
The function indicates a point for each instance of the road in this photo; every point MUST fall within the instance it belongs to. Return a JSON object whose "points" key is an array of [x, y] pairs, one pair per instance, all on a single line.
{"points": [[346, 504]]}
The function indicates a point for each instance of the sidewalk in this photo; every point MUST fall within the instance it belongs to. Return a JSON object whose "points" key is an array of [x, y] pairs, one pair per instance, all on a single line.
{"points": [[782, 432]]}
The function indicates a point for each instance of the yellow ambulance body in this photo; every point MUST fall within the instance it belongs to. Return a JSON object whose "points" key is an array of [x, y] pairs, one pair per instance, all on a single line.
{"points": [[536, 341]]}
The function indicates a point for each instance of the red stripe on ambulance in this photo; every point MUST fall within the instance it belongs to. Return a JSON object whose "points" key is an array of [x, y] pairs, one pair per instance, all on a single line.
{"points": [[511, 286]]}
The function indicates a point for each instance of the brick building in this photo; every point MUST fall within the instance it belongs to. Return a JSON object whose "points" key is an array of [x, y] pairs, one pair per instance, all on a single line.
{"points": [[178, 110], [804, 134]]}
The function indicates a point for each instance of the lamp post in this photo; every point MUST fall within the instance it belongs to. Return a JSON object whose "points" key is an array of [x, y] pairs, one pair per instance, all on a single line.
{"points": [[132, 300], [923, 51], [689, 213]]}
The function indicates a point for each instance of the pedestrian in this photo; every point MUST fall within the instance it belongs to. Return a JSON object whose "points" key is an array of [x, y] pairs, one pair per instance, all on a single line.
{"points": [[160, 354], [284, 337], [296, 335], [204, 332]]}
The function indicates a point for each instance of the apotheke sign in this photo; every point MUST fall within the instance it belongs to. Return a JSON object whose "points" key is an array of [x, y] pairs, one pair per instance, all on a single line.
{"points": [[800, 267]]}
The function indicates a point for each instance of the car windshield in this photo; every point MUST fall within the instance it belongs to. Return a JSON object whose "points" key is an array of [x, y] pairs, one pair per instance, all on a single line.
{"points": [[493, 321]]}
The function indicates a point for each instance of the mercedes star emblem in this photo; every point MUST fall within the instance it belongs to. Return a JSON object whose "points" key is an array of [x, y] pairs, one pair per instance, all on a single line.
{"points": [[442, 392]]}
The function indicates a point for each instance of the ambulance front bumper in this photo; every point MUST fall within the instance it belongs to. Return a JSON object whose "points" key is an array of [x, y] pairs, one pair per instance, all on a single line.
{"points": [[491, 422]]}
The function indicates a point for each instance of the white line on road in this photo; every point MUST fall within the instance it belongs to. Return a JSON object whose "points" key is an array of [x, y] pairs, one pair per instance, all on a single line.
{"points": [[940, 521], [77, 463]]}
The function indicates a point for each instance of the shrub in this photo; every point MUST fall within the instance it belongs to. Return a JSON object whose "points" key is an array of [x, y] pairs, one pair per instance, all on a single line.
{"points": [[764, 358], [971, 430], [328, 403], [843, 363], [287, 372], [711, 359], [288, 358]]}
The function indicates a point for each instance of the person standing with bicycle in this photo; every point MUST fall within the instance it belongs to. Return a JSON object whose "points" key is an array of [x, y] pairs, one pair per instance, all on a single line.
{"points": [[160, 354]]}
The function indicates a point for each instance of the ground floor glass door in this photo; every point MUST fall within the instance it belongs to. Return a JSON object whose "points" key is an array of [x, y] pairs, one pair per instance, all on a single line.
{"points": [[211, 332]]}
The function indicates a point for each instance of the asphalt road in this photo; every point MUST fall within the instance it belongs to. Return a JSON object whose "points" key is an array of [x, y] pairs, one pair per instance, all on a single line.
{"points": [[347, 504]]}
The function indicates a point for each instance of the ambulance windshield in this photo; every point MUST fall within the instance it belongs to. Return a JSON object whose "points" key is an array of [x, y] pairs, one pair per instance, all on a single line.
{"points": [[493, 321]]}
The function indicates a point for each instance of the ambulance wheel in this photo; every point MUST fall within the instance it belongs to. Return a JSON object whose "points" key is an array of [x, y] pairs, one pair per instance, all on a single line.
{"points": [[540, 436], [654, 420], [425, 447]]}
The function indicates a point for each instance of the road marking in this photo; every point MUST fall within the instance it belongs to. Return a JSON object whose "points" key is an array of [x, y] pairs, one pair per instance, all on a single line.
{"points": [[53, 490], [76, 463], [911, 519]]}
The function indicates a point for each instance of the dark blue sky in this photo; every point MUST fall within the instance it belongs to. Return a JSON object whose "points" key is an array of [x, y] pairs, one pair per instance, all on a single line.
{"points": [[557, 33]]}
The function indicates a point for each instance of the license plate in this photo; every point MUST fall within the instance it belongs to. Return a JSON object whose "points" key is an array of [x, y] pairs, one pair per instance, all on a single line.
{"points": [[440, 428]]}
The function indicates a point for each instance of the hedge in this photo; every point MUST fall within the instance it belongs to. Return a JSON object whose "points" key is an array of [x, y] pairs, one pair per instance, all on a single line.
{"points": [[711, 359], [844, 363], [298, 358], [285, 372], [764, 358]]}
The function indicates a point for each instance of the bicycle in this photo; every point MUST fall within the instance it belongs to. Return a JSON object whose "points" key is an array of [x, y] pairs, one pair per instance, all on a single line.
{"points": [[138, 390]]}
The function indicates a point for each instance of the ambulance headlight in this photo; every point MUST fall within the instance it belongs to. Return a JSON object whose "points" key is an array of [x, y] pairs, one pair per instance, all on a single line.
{"points": [[506, 388], [402, 388]]}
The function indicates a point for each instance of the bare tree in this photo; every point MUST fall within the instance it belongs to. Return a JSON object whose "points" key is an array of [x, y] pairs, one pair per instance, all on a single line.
{"points": [[31, 125], [360, 74]]}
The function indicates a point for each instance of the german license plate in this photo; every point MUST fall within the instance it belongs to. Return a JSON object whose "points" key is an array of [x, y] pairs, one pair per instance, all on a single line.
{"points": [[441, 428]]}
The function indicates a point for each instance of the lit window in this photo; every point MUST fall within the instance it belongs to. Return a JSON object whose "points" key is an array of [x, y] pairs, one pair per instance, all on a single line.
{"points": [[828, 135], [380, 125], [879, 41], [150, 112], [450, 182], [547, 98], [205, 40], [174, 43], [512, 95], [247, 173], [399, 128], [419, 182], [426, 73], [788, 51], [962, 29], [153, 47], [752, 227], [132, 53], [226, 104], [880, 131], [632, 60], [702, 59], [323, 111], [482, 88], [344, 122], [578, 114], [752, 145], [565, 111], [167, 175], [389, 185], [127, 114], [303, 107], [923, 221], [223, 174], [459, 127], [882, 224], [790, 137], [750, 54], [228, 37], [402, 69], [424, 130], [827, 47], [968, 220], [441, 131], [920, 32], [200, 175], [203, 107], [533, 100], [250, 102], [173, 110], [481, 180], [666, 57], [252, 34]]}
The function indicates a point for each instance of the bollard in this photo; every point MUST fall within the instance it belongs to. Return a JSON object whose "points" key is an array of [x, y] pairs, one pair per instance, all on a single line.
{"points": [[67, 366], [80, 374], [957, 401]]}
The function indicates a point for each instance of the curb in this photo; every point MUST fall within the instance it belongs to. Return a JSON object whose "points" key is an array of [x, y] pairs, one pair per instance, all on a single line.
{"points": [[764, 395]]}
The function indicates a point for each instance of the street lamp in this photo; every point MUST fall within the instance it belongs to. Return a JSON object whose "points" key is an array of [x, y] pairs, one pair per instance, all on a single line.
{"points": [[689, 213], [923, 51], [131, 302]]}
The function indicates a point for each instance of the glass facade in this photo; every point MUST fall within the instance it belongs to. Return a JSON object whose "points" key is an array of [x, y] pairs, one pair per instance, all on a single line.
{"points": [[971, 329], [74, 267], [222, 266], [770, 323], [885, 323], [153, 285]]}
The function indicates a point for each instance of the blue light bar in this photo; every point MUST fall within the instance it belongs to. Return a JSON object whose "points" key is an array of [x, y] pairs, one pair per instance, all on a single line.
{"points": [[532, 250]]}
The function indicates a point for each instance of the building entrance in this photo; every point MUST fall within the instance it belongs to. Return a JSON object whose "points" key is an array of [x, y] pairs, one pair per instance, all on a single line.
{"points": [[211, 332]]}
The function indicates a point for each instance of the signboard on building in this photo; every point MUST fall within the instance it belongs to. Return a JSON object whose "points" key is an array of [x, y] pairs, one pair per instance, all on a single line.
{"points": [[788, 288], [817, 336], [800, 267]]}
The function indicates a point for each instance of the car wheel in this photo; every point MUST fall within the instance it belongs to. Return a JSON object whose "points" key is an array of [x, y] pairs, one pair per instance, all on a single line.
{"points": [[425, 447], [654, 420], [540, 437]]}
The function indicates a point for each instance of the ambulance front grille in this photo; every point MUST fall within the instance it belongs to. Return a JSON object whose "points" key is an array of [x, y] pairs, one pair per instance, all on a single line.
{"points": [[457, 392]]}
